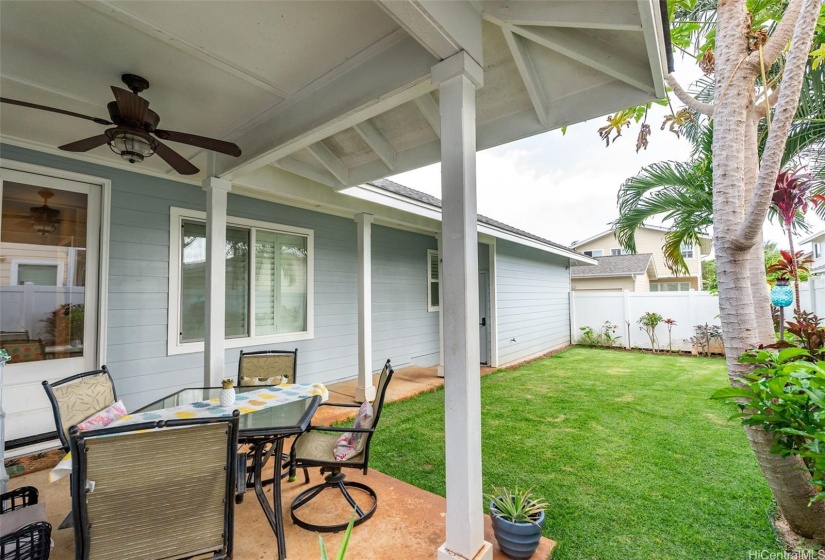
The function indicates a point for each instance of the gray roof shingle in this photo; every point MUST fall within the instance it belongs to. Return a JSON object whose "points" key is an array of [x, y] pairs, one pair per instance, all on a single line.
{"points": [[407, 192], [616, 265]]}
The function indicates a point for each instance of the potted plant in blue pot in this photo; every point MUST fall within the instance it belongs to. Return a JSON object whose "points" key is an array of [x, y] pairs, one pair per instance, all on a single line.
{"points": [[518, 519]]}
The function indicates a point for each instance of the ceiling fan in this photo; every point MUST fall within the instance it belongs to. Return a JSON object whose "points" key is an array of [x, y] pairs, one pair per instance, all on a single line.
{"points": [[135, 133], [42, 219]]}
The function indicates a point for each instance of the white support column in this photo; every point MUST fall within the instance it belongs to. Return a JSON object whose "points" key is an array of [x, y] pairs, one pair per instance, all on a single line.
{"points": [[365, 390], [493, 305], [457, 78], [215, 313], [440, 248]]}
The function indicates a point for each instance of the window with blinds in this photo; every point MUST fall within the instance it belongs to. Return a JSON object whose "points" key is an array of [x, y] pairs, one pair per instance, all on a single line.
{"points": [[276, 294], [433, 281]]}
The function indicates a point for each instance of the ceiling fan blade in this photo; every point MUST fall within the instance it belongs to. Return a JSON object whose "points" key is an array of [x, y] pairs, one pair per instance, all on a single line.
{"points": [[53, 110], [221, 146], [86, 144], [177, 161], [132, 107]]}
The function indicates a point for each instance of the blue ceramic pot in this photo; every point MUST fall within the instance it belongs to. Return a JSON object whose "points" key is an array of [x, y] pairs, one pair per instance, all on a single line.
{"points": [[517, 540]]}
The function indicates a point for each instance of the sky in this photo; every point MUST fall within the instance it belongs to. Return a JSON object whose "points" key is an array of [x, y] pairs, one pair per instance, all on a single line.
{"points": [[564, 187]]}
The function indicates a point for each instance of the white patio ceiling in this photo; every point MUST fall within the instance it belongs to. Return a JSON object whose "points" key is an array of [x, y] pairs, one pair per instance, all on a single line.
{"points": [[338, 92]]}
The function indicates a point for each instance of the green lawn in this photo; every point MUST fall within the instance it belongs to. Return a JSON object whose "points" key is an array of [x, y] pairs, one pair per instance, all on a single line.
{"points": [[634, 459]]}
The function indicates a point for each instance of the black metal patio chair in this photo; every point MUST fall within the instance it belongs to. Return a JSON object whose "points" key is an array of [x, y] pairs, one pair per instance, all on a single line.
{"points": [[133, 499], [316, 448]]}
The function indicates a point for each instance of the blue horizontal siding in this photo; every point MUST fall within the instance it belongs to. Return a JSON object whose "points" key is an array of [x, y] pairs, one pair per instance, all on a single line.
{"points": [[532, 289]]}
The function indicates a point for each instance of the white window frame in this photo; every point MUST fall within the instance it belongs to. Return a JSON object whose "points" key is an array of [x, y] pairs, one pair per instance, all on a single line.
{"points": [[15, 264], [175, 346], [817, 250], [619, 251], [687, 251], [658, 285], [430, 281], [594, 252]]}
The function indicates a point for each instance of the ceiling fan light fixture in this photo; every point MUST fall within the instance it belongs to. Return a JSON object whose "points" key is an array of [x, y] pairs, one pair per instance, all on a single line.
{"points": [[132, 145], [44, 219]]}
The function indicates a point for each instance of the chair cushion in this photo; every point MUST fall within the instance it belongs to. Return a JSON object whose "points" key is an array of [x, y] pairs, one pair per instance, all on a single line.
{"points": [[254, 381], [80, 399], [352, 443], [103, 418], [318, 446]]}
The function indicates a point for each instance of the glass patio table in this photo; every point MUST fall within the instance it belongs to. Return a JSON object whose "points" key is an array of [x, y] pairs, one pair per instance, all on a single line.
{"points": [[266, 430]]}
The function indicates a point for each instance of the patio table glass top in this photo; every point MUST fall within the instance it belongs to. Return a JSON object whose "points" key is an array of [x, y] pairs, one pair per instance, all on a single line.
{"points": [[266, 411], [285, 414]]}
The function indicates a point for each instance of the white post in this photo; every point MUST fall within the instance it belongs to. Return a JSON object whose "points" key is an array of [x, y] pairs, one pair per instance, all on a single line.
{"points": [[365, 390], [4, 476], [215, 312], [573, 327], [493, 305], [457, 78], [626, 313], [440, 308]]}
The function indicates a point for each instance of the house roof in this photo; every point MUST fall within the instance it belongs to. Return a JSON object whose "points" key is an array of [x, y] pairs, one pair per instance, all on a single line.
{"points": [[418, 196], [705, 243], [818, 235], [615, 265]]}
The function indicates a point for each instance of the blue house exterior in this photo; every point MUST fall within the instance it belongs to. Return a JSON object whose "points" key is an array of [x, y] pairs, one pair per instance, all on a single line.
{"points": [[524, 301]]}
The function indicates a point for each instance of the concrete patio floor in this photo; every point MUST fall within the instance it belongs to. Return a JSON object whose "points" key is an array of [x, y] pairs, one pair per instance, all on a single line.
{"points": [[408, 523]]}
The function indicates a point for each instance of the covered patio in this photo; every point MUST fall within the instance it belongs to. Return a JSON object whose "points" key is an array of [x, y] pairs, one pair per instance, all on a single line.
{"points": [[321, 97], [408, 522]]}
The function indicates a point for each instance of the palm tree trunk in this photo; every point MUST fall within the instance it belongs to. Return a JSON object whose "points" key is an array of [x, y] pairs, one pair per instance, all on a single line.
{"points": [[794, 270], [742, 295]]}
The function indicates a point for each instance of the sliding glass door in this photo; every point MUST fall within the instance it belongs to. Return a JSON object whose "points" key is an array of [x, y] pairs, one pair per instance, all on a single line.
{"points": [[49, 248]]}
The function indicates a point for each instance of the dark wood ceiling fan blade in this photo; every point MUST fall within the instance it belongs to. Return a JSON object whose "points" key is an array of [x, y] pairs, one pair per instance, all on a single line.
{"points": [[132, 107], [86, 144], [53, 110], [177, 161], [221, 146]]}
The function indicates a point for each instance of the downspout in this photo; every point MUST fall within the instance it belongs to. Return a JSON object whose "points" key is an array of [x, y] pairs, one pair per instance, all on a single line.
{"points": [[671, 67]]}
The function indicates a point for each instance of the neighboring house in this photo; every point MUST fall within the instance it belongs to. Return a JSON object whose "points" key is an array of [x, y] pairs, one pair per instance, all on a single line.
{"points": [[621, 273], [633, 273], [816, 252]]}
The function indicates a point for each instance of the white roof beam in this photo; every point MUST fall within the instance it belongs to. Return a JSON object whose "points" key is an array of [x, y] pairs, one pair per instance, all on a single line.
{"points": [[429, 108], [443, 28], [310, 172], [655, 41], [528, 74], [391, 78], [604, 97], [328, 160], [377, 142], [593, 52], [591, 14]]}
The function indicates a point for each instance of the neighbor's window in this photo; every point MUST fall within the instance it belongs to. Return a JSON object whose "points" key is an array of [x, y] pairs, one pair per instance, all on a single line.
{"points": [[432, 284], [616, 252], [268, 275], [816, 250], [670, 286], [687, 250], [594, 253]]}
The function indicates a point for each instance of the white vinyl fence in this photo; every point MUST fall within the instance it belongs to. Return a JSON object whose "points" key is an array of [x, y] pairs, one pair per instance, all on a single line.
{"points": [[592, 309], [811, 297], [25, 308]]}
